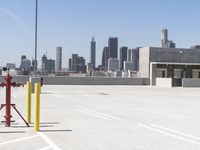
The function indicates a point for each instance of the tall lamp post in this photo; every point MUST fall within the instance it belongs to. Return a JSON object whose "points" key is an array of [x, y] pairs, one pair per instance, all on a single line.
{"points": [[36, 20]]}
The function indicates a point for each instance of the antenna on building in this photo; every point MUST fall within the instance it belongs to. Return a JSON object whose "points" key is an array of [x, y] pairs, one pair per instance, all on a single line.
{"points": [[46, 49]]}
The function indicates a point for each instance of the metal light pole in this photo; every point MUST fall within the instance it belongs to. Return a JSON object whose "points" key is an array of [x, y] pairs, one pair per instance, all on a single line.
{"points": [[36, 20]]}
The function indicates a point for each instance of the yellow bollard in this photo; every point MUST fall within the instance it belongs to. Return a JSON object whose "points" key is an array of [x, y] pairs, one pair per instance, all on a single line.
{"points": [[28, 102], [37, 107]]}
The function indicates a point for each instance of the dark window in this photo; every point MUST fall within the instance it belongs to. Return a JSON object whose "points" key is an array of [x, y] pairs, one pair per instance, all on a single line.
{"points": [[163, 74], [198, 74]]}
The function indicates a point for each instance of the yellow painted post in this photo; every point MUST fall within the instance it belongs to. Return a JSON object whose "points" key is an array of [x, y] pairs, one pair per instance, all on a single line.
{"points": [[37, 107], [28, 102]]}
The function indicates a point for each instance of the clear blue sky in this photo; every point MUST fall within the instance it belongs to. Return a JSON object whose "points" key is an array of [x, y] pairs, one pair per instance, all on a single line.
{"points": [[72, 24]]}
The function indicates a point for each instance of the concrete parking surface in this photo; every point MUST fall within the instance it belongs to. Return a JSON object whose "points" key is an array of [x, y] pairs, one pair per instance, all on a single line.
{"points": [[107, 118]]}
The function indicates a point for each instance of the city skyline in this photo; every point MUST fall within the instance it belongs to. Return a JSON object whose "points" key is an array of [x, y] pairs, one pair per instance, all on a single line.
{"points": [[72, 24]]}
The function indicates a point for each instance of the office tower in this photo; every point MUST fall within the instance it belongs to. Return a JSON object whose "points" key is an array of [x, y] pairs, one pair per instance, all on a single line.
{"points": [[77, 64], [48, 65], [93, 53], [172, 44], [11, 66], [129, 55], [44, 60], [128, 65], [113, 47], [195, 47], [58, 66], [70, 64], [25, 65], [135, 59], [165, 43], [23, 57], [123, 56], [33, 64], [113, 64], [132, 62], [164, 38], [105, 56]]}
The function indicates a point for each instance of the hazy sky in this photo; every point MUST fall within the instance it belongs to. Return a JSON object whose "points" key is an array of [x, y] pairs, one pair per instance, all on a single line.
{"points": [[72, 24]]}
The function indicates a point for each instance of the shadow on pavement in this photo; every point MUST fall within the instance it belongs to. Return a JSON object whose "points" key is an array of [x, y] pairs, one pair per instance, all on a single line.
{"points": [[49, 123], [12, 132], [55, 130]]}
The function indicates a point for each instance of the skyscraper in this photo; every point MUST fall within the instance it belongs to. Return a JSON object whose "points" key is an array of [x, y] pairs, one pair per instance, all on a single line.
{"points": [[25, 66], [23, 57], [165, 43], [113, 64], [164, 38], [123, 56], [129, 55], [135, 58], [48, 65], [77, 64], [58, 66], [105, 56], [132, 62], [93, 52], [113, 47]]}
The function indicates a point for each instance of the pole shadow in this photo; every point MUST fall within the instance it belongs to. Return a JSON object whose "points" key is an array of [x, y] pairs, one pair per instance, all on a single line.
{"points": [[5, 132], [47, 123], [55, 130]]}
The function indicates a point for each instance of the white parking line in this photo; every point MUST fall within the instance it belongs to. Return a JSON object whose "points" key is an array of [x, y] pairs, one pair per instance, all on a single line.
{"points": [[92, 114], [105, 115], [18, 140], [175, 131], [48, 141], [169, 134]]}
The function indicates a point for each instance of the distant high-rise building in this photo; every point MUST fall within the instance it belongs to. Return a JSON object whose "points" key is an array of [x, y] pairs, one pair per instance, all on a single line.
{"points": [[113, 64], [113, 47], [129, 55], [172, 44], [70, 64], [123, 56], [58, 66], [25, 66], [93, 53], [165, 43], [135, 59], [195, 47], [164, 38], [48, 65], [33, 64], [77, 64], [23, 57], [128, 65], [132, 62], [105, 56], [11, 66]]}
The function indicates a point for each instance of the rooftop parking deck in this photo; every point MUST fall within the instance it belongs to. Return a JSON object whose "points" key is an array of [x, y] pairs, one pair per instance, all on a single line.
{"points": [[107, 118]]}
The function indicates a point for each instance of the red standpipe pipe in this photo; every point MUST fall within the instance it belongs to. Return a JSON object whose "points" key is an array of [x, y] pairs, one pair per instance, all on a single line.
{"points": [[8, 116]]}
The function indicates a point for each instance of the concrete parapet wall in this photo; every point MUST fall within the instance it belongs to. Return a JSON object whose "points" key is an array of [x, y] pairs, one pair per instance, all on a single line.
{"points": [[84, 80], [190, 82], [18, 79], [94, 81]]}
